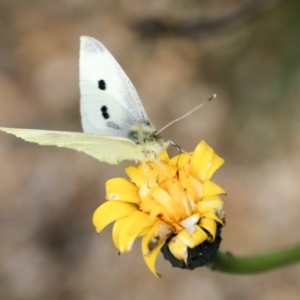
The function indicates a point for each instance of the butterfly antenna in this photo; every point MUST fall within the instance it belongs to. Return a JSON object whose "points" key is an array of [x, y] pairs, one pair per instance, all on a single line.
{"points": [[189, 113]]}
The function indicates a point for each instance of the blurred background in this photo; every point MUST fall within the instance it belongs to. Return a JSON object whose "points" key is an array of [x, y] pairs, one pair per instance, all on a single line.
{"points": [[177, 54]]}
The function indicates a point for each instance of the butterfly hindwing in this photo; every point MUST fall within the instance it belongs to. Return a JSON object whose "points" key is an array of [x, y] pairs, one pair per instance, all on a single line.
{"points": [[111, 150]]}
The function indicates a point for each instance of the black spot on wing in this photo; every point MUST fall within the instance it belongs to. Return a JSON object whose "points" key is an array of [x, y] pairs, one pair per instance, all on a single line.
{"points": [[102, 85], [105, 113]]}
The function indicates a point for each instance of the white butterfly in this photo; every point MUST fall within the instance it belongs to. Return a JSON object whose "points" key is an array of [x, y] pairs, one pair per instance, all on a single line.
{"points": [[115, 124]]}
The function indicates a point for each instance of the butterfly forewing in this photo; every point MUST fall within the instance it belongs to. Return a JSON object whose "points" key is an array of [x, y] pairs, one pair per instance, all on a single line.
{"points": [[109, 102]]}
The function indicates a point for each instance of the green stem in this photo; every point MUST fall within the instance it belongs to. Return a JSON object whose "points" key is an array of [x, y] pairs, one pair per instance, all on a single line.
{"points": [[229, 263]]}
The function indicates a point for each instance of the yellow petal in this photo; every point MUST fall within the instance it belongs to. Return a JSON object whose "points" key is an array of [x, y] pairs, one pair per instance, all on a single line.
{"points": [[201, 161], [165, 200], [190, 222], [217, 163], [210, 225], [180, 160], [213, 215], [135, 223], [150, 255], [197, 187], [158, 210], [178, 248], [211, 188], [164, 157], [146, 188], [136, 176], [111, 211], [219, 211], [196, 238], [122, 189], [163, 172], [187, 201], [187, 184], [144, 191], [161, 235], [117, 229], [175, 190], [209, 202], [149, 205]]}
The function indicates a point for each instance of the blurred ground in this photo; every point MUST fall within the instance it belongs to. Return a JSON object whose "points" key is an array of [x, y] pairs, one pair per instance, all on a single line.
{"points": [[49, 248]]}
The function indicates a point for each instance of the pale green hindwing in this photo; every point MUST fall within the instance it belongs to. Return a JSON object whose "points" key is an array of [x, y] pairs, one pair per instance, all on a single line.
{"points": [[112, 150], [108, 149]]}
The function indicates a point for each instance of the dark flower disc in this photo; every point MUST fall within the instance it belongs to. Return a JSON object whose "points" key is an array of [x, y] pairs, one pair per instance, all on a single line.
{"points": [[198, 256]]}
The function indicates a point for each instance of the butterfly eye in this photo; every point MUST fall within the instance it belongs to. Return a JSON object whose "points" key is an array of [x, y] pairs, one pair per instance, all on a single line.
{"points": [[102, 85], [104, 111]]}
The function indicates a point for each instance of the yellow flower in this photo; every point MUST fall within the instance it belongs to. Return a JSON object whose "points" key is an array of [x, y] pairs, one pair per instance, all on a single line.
{"points": [[170, 203]]}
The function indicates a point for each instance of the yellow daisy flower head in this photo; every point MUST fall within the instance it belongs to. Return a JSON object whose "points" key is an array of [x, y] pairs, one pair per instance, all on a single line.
{"points": [[171, 204]]}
